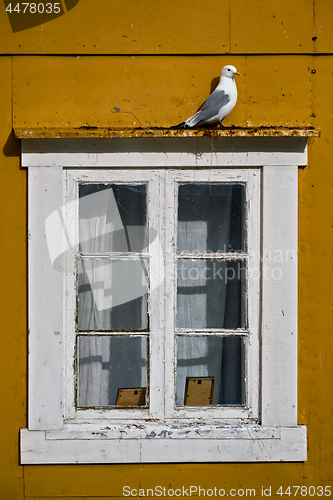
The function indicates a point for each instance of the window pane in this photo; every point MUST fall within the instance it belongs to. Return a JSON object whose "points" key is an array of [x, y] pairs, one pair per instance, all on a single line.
{"points": [[109, 363], [112, 218], [211, 294], [112, 294], [220, 358], [211, 217]]}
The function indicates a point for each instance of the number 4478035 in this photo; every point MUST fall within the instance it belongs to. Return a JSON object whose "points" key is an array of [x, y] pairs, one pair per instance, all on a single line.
{"points": [[304, 491], [34, 8]]}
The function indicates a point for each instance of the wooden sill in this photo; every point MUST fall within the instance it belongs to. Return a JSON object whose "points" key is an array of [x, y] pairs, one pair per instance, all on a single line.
{"points": [[93, 132]]}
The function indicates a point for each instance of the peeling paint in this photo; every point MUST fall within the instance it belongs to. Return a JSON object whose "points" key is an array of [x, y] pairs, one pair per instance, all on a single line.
{"points": [[162, 432], [91, 132]]}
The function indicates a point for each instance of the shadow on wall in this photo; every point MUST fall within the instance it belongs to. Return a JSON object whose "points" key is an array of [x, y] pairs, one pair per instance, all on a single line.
{"points": [[23, 16], [12, 146], [214, 83]]}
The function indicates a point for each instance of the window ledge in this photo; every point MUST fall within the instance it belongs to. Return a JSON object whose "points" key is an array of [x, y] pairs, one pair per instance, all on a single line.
{"points": [[163, 444], [95, 132]]}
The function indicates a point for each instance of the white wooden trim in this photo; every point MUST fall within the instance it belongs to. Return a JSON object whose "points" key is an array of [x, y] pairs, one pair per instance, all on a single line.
{"points": [[155, 254], [279, 297], [157, 295], [288, 445], [162, 160], [164, 431], [45, 303], [165, 152], [252, 180], [49, 438]]}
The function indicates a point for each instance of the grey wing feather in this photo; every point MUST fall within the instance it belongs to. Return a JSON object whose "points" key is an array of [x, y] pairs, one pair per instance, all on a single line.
{"points": [[210, 107]]}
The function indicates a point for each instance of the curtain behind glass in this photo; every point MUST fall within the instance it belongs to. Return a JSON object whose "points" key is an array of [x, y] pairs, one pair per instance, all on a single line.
{"points": [[112, 292], [211, 292], [107, 364], [220, 357]]}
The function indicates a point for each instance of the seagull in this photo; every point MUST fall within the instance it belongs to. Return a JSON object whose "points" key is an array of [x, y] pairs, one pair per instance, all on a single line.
{"points": [[220, 102]]}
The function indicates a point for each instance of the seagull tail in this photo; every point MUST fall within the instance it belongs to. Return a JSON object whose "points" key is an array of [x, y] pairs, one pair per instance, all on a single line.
{"points": [[181, 125]]}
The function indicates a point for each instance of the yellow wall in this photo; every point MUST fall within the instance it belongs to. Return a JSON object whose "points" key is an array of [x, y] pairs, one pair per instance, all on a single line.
{"points": [[156, 61]]}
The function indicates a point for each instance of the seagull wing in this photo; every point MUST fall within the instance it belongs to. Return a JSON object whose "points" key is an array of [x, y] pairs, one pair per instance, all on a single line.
{"points": [[210, 107]]}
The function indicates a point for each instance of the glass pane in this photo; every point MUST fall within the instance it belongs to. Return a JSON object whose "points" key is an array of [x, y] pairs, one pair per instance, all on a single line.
{"points": [[112, 294], [112, 218], [211, 294], [108, 364], [211, 218], [220, 358]]}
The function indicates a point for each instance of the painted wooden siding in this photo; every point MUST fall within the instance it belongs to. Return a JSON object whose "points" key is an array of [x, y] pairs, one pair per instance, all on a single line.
{"points": [[152, 91], [13, 272], [173, 27]]}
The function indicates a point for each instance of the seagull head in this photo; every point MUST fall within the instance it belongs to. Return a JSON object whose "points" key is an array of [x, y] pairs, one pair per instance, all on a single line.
{"points": [[229, 71]]}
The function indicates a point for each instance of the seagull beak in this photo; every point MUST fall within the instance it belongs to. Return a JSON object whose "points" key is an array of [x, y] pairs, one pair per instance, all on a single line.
{"points": [[236, 73]]}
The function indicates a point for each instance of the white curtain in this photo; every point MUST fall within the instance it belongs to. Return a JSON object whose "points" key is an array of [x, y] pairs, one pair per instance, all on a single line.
{"points": [[94, 353], [209, 296], [107, 364], [112, 293]]}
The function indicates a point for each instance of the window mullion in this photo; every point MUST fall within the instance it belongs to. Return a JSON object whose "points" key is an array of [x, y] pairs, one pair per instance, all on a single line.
{"points": [[170, 289], [156, 207]]}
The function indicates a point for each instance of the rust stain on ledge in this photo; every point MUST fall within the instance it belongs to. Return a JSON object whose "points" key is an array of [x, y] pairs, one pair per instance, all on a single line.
{"points": [[93, 132]]}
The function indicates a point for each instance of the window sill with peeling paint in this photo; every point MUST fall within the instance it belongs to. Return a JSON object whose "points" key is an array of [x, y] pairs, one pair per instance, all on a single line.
{"points": [[164, 444], [95, 132]]}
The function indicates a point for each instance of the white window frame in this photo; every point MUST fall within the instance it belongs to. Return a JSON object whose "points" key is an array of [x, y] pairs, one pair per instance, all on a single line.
{"points": [[270, 435], [162, 209], [234, 415], [154, 256]]}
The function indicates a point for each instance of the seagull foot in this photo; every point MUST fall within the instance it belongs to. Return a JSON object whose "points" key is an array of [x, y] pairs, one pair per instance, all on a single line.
{"points": [[181, 125]]}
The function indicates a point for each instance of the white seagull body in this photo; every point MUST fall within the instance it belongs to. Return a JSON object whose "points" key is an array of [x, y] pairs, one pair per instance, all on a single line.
{"points": [[220, 102]]}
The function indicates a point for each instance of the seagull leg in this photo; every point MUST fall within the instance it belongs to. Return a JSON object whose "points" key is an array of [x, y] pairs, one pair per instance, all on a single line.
{"points": [[220, 122]]}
